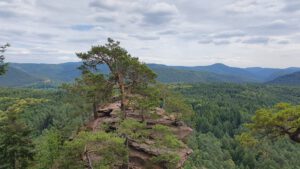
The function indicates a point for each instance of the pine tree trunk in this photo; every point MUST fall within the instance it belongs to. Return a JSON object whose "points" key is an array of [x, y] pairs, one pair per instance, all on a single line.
{"points": [[122, 91], [295, 136], [95, 110], [123, 100]]}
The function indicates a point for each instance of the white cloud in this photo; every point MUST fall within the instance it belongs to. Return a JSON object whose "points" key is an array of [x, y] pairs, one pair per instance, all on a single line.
{"points": [[177, 32]]}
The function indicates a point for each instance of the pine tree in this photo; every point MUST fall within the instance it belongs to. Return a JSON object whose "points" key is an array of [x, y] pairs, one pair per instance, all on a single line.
{"points": [[2, 64], [93, 87], [281, 120], [16, 147], [126, 72]]}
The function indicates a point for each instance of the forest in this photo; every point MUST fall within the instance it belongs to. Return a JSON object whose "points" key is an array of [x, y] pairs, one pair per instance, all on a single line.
{"points": [[222, 110], [218, 120], [149, 84], [235, 126]]}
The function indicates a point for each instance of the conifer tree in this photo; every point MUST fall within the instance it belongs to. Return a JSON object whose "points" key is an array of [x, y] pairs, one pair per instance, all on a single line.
{"points": [[2, 64], [93, 87], [16, 147], [126, 72], [281, 120]]}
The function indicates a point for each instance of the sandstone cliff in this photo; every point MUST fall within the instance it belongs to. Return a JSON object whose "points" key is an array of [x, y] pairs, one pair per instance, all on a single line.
{"points": [[141, 152]]}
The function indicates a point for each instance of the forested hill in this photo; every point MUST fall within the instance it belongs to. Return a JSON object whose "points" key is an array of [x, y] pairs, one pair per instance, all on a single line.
{"points": [[290, 79], [40, 74]]}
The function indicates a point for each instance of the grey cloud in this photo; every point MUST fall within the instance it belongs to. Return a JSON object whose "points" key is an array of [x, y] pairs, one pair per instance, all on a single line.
{"points": [[142, 37], [256, 40], [83, 40], [205, 41], [45, 35], [214, 41], [8, 1], [277, 24], [241, 6], [7, 13], [182, 24], [220, 38], [101, 4], [103, 17], [229, 34], [291, 6], [13, 32], [168, 32], [221, 42], [283, 42], [157, 18], [159, 13], [276, 27], [144, 48]]}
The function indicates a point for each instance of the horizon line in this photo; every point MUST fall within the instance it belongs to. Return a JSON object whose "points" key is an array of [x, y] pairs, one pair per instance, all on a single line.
{"points": [[164, 65]]}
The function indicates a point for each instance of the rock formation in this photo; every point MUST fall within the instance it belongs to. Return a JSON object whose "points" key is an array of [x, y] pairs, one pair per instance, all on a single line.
{"points": [[141, 152]]}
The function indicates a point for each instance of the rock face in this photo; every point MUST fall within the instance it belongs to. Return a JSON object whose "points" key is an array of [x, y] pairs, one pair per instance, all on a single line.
{"points": [[141, 153]]}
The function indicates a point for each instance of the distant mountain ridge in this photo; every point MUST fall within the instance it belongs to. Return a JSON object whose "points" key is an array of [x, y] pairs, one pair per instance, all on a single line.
{"points": [[290, 79], [24, 74]]}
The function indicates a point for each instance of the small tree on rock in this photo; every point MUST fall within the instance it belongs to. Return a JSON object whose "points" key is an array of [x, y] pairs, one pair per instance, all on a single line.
{"points": [[2, 64], [126, 71], [94, 87]]}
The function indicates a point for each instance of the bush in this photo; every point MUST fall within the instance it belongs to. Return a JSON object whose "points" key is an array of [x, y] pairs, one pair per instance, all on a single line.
{"points": [[107, 147], [165, 137], [133, 129], [170, 161]]}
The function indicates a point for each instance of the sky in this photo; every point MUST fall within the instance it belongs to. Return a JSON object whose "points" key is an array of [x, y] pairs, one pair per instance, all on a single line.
{"points": [[241, 33]]}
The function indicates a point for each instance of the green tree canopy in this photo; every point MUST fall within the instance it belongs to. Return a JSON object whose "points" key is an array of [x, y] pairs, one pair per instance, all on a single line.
{"points": [[16, 147], [92, 86], [2, 64], [126, 72], [281, 120]]}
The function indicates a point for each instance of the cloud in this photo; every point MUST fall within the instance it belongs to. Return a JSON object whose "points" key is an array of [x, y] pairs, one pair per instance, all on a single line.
{"points": [[82, 27], [256, 40], [164, 31], [159, 13], [83, 40], [103, 4], [254, 7], [7, 13], [229, 34], [107, 17], [221, 42], [205, 41], [143, 37], [168, 32], [242, 6], [277, 24], [221, 37], [291, 6], [283, 42]]}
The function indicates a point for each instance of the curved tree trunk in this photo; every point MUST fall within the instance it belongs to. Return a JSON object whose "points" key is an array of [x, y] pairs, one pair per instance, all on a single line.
{"points": [[95, 110], [123, 93], [295, 136]]}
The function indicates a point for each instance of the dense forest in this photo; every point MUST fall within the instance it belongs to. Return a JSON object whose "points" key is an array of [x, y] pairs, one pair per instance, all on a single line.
{"points": [[221, 110], [74, 126], [235, 126], [221, 113]]}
